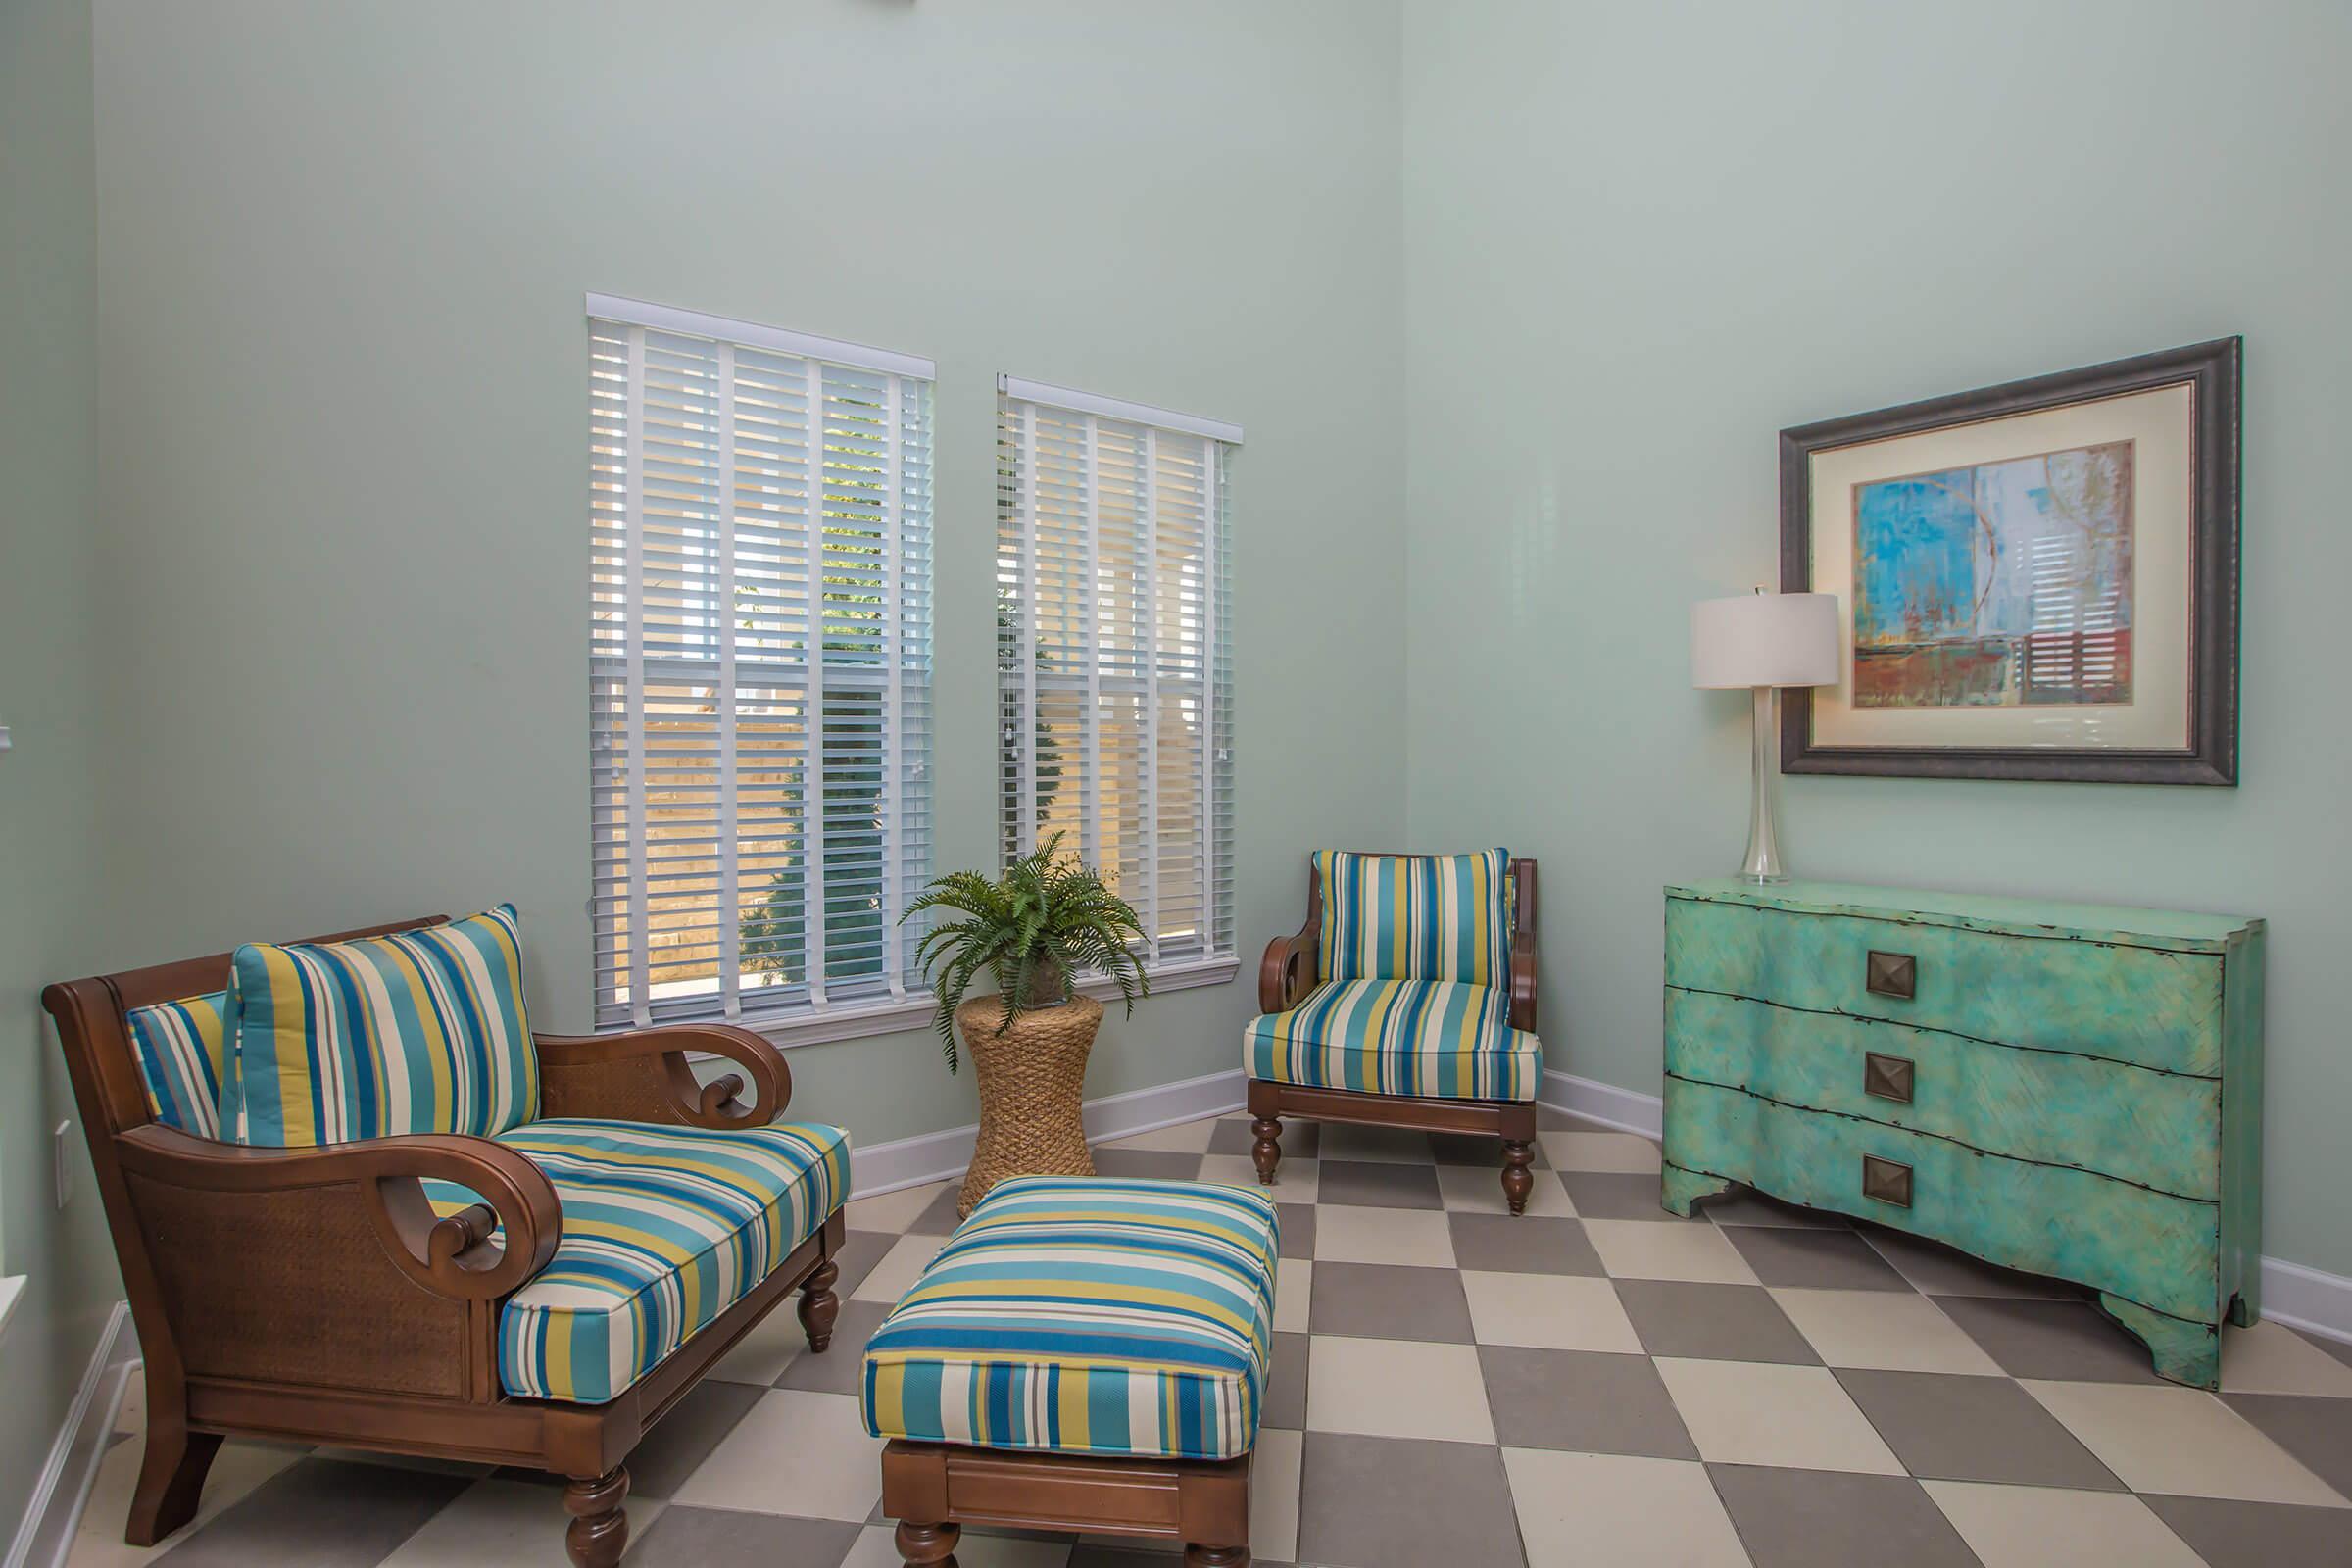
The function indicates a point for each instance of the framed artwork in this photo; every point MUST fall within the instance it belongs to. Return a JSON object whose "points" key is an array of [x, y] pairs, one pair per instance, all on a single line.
{"points": [[2037, 580]]}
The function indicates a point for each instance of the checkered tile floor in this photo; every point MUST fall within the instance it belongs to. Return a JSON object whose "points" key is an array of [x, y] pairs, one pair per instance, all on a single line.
{"points": [[1597, 1383]]}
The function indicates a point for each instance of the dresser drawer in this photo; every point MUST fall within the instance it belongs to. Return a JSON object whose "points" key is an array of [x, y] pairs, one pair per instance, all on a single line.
{"points": [[2149, 1006], [2142, 1245], [2161, 1130]]}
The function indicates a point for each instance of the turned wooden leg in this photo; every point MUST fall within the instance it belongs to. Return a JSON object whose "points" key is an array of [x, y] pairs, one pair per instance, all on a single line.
{"points": [[170, 1480], [1268, 1150], [600, 1531], [1517, 1181], [1216, 1556], [928, 1545], [819, 1306]]}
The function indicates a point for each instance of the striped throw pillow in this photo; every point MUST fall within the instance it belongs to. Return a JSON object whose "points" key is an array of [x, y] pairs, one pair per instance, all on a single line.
{"points": [[420, 1032], [1415, 916], [179, 1047]]}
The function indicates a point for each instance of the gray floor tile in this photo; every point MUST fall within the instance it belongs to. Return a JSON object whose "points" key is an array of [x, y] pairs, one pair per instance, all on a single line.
{"points": [[1286, 1384], [1742, 1205], [841, 1368], [2341, 1349], [324, 1514], [2315, 1429], [1581, 1400], [2068, 1340], [1468, 1149], [1385, 1302], [682, 1439], [1550, 1119], [717, 1537], [859, 1252], [1942, 1270], [938, 1218], [1298, 1221], [1833, 1519], [1820, 1260], [1396, 1502], [1361, 1140], [1713, 1322], [1377, 1184], [1944, 1427], [2258, 1535], [1158, 1165], [1521, 1244], [1299, 1138], [1620, 1195]]}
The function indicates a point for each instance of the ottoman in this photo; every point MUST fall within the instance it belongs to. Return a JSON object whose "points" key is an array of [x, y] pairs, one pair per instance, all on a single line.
{"points": [[1085, 1354]]}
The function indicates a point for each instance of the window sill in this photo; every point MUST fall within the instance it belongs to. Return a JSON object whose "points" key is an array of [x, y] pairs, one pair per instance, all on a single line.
{"points": [[854, 1021]]}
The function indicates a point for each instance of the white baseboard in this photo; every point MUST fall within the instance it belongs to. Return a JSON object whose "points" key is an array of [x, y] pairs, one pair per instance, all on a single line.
{"points": [[1606, 1104], [2292, 1294], [64, 1486], [936, 1156]]}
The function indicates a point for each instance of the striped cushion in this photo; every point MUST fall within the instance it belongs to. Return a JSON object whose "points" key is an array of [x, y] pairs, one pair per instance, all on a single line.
{"points": [[663, 1229], [1431, 1038], [179, 1047], [1415, 916], [420, 1032], [1085, 1315]]}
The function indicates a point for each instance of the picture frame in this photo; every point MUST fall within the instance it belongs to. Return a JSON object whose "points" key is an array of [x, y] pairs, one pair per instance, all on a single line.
{"points": [[2038, 580]]}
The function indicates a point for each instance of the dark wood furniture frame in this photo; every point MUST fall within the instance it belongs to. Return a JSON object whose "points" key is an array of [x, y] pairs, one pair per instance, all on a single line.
{"points": [[311, 1293], [2213, 371], [1288, 973], [934, 1490]]}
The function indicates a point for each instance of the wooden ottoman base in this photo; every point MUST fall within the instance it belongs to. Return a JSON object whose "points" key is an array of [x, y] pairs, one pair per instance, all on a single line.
{"points": [[935, 1488]]}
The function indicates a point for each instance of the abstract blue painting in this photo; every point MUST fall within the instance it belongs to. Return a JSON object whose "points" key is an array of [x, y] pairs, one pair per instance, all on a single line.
{"points": [[2000, 584]]}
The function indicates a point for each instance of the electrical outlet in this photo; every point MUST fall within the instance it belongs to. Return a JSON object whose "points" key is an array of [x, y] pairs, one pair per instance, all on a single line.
{"points": [[64, 1149]]}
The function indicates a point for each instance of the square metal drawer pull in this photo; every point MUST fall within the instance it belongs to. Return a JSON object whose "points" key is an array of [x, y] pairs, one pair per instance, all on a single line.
{"points": [[1887, 1077], [1890, 974], [1886, 1181]]}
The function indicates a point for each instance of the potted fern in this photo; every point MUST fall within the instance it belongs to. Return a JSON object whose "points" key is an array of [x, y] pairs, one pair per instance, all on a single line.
{"points": [[1031, 931]]}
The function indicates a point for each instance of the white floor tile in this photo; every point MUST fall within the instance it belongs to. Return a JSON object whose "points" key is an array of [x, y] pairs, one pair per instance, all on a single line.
{"points": [[2049, 1527], [1577, 1510], [2161, 1438], [1549, 1311], [1750, 1412], [898, 1269], [793, 1452], [1884, 1331], [1416, 1238], [1396, 1389], [1667, 1249]]}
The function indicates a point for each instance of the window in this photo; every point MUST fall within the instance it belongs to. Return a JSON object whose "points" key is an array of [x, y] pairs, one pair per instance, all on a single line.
{"points": [[1114, 674], [760, 668]]}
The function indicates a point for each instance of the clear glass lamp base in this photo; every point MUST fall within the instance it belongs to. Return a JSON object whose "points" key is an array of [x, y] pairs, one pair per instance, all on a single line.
{"points": [[1762, 866]]}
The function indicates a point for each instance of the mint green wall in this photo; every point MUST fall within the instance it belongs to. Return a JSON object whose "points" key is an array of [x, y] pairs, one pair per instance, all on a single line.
{"points": [[341, 258], [1642, 239], [46, 827]]}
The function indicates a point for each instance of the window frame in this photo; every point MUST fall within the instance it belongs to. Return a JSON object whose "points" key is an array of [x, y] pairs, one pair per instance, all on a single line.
{"points": [[901, 678], [1218, 958]]}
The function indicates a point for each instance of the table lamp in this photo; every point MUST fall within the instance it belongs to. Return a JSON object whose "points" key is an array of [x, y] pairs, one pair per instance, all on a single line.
{"points": [[1764, 642]]}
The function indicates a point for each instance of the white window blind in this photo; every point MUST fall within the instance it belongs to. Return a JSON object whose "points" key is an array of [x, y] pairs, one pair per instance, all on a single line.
{"points": [[760, 668], [1114, 676]]}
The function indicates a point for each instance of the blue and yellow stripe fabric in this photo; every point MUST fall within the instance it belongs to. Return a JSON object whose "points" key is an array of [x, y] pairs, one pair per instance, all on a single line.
{"points": [[664, 1228], [1087, 1315], [181, 1047], [419, 1031], [1436, 1039], [1415, 916]]}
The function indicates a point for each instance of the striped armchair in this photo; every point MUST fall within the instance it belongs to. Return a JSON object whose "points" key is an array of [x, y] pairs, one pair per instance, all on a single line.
{"points": [[357, 1200], [1407, 999]]}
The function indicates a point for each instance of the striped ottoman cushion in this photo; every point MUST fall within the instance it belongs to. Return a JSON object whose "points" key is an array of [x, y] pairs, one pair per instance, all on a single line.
{"points": [[1087, 1315]]}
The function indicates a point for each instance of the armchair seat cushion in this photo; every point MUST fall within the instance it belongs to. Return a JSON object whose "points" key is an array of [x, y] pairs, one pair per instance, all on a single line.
{"points": [[1433, 1039], [664, 1228]]}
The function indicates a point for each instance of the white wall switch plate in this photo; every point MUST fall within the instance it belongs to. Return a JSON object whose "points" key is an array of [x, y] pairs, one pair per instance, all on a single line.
{"points": [[64, 1150]]}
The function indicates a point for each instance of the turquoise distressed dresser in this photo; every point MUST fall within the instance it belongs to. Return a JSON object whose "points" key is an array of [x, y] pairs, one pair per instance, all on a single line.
{"points": [[2066, 1089]]}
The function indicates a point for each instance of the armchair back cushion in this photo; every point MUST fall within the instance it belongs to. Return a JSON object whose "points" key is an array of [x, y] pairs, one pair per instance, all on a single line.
{"points": [[1415, 916], [420, 1031], [180, 1048]]}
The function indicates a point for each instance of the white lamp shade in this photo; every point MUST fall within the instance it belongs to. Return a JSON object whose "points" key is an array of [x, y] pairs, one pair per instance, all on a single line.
{"points": [[1765, 640]]}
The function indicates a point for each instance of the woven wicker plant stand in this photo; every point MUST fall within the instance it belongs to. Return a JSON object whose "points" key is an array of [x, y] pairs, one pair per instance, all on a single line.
{"points": [[1032, 1091]]}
